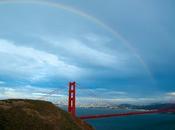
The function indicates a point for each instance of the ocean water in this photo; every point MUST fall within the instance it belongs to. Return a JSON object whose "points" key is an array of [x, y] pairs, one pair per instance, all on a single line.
{"points": [[163, 121]]}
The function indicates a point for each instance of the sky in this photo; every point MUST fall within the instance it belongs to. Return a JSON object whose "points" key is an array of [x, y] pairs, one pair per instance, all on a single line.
{"points": [[117, 51]]}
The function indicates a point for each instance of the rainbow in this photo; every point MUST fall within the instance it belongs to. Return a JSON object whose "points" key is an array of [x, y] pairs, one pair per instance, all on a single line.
{"points": [[91, 18]]}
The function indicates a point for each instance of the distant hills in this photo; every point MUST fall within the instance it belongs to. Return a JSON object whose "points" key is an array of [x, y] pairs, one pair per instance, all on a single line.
{"points": [[149, 107], [18, 114]]}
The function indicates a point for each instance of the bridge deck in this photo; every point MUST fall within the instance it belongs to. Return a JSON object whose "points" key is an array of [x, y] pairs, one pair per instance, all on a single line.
{"points": [[127, 114]]}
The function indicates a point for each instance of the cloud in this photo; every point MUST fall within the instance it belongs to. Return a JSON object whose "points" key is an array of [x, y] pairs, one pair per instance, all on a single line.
{"points": [[32, 63], [20, 91], [93, 97], [92, 37], [171, 94], [100, 93], [33, 92], [87, 53], [2, 82], [101, 56], [87, 97]]}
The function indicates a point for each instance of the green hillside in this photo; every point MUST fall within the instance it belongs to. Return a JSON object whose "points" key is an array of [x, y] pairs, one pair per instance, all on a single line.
{"points": [[19, 114]]}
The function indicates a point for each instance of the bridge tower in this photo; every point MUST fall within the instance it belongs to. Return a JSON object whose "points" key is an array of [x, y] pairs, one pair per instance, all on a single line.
{"points": [[71, 99]]}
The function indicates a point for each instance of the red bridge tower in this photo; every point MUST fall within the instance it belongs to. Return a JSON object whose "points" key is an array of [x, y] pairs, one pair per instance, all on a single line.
{"points": [[71, 100]]}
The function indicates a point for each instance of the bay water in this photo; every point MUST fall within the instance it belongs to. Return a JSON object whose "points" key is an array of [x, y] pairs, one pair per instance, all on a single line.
{"points": [[164, 121]]}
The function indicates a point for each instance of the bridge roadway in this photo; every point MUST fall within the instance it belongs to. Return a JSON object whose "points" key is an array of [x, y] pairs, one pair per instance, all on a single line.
{"points": [[127, 114]]}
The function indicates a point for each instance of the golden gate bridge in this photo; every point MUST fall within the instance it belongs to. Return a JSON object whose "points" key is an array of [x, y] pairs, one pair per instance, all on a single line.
{"points": [[71, 107]]}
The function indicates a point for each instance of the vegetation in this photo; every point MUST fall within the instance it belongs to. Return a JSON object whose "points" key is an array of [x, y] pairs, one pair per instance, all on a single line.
{"points": [[19, 114]]}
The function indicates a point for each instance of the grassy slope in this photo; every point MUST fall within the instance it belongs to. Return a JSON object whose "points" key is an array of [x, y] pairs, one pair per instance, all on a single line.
{"points": [[18, 114]]}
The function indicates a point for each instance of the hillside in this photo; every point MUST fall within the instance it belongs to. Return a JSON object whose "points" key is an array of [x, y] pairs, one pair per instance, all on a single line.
{"points": [[19, 114]]}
